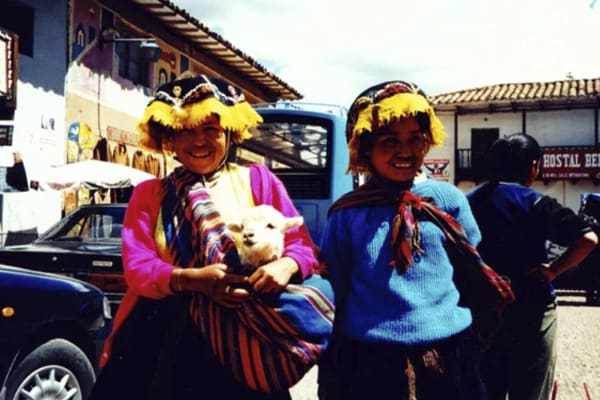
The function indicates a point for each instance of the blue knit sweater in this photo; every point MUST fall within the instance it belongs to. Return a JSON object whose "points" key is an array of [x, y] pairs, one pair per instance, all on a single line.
{"points": [[374, 302]]}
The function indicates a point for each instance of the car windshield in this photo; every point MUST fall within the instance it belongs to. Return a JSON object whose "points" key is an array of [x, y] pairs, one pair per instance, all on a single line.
{"points": [[88, 224]]}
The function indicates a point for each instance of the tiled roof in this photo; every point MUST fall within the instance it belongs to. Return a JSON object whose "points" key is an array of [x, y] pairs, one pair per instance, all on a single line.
{"points": [[214, 45], [569, 93]]}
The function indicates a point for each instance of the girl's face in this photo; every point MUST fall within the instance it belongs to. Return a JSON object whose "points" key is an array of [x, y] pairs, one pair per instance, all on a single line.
{"points": [[399, 149], [201, 149]]}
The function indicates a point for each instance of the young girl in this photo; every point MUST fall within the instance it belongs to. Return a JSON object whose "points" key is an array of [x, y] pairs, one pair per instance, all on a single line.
{"points": [[516, 221], [399, 331], [176, 253]]}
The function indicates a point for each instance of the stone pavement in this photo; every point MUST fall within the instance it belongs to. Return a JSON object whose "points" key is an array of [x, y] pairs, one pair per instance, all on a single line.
{"points": [[578, 363]]}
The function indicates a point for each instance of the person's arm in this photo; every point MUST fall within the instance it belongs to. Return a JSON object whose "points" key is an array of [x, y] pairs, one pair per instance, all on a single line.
{"points": [[565, 228], [574, 254], [145, 272]]}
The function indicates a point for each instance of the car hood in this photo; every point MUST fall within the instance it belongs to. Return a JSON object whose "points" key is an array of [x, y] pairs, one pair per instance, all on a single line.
{"points": [[104, 247], [66, 257], [14, 277]]}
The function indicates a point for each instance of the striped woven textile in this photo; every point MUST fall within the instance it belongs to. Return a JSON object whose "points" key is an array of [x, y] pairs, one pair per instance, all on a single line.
{"points": [[273, 340]]}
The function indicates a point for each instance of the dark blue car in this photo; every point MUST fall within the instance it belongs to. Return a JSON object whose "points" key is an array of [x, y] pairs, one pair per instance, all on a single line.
{"points": [[85, 244], [585, 278], [52, 329]]}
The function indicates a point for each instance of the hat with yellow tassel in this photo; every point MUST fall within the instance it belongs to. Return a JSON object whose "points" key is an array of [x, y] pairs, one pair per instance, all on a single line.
{"points": [[187, 103], [380, 106]]}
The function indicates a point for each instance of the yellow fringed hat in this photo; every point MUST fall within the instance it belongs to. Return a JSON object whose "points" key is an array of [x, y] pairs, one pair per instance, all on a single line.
{"points": [[381, 105], [187, 103]]}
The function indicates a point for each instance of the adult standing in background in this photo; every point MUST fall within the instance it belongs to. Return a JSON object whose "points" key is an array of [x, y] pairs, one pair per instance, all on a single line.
{"points": [[516, 222]]}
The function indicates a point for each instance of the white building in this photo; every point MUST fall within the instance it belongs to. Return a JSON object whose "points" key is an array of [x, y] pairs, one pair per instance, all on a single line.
{"points": [[561, 115]]}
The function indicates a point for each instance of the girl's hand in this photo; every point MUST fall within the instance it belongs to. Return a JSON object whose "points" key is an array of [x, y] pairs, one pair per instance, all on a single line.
{"points": [[216, 281], [274, 276]]}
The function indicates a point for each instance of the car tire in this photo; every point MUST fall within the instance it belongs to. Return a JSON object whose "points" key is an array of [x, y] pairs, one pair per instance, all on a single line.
{"points": [[56, 370]]}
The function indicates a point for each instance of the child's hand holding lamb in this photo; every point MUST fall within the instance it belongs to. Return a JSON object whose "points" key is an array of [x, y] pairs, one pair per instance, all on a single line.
{"points": [[262, 231]]}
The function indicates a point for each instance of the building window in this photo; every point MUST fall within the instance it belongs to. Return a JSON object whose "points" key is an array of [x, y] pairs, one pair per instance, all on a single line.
{"points": [[107, 20], [132, 64], [162, 76], [19, 18], [184, 64], [481, 141]]}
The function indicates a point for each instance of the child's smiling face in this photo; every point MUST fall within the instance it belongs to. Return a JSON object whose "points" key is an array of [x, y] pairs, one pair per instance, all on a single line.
{"points": [[399, 149], [201, 149]]}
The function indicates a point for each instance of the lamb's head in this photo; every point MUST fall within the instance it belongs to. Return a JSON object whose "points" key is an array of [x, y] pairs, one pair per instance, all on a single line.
{"points": [[262, 230]]}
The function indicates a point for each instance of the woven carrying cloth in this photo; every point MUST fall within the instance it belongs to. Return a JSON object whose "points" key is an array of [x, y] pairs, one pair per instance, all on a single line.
{"points": [[481, 289], [272, 340]]}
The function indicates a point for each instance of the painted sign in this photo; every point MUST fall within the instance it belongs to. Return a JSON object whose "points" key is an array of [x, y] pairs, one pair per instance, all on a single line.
{"points": [[437, 169], [122, 136], [570, 163]]}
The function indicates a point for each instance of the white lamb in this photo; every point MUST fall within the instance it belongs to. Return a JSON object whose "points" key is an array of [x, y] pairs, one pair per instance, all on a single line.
{"points": [[262, 231]]}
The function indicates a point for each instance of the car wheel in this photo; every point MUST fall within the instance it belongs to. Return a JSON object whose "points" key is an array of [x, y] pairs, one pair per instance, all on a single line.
{"points": [[57, 370]]}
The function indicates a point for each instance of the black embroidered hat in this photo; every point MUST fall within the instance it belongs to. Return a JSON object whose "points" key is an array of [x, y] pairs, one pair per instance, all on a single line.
{"points": [[381, 105], [188, 102]]}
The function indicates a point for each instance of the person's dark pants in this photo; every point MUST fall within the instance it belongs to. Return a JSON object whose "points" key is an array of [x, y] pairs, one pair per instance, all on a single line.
{"points": [[447, 369], [522, 360]]}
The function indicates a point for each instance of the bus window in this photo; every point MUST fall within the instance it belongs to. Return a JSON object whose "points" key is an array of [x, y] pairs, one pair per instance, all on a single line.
{"points": [[292, 144], [305, 146], [296, 149]]}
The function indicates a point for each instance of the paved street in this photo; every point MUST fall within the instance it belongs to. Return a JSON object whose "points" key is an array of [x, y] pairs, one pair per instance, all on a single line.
{"points": [[306, 389], [578, 365]]}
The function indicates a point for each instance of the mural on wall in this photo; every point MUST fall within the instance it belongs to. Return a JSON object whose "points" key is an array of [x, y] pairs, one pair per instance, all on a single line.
{"points": [[80, 143], [98, 95], [437, 169], [79, 42], [88, 20]]}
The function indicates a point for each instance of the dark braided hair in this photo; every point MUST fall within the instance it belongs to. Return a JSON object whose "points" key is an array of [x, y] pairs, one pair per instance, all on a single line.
{"points": [[510, 158]]}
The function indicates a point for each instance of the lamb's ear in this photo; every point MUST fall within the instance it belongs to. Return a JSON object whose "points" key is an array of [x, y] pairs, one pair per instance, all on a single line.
{"points": [[234, 227], [291, 222]]}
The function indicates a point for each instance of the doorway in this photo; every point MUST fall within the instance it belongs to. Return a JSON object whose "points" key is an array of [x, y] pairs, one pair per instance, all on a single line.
{"points": [[481, 141]]}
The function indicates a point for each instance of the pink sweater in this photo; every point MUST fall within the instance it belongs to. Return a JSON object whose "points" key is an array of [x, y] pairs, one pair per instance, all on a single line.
{"points": [[148, 275]]}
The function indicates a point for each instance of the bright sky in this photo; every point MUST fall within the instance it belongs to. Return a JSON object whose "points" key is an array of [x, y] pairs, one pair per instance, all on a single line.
{"points": [[330, 50]]}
